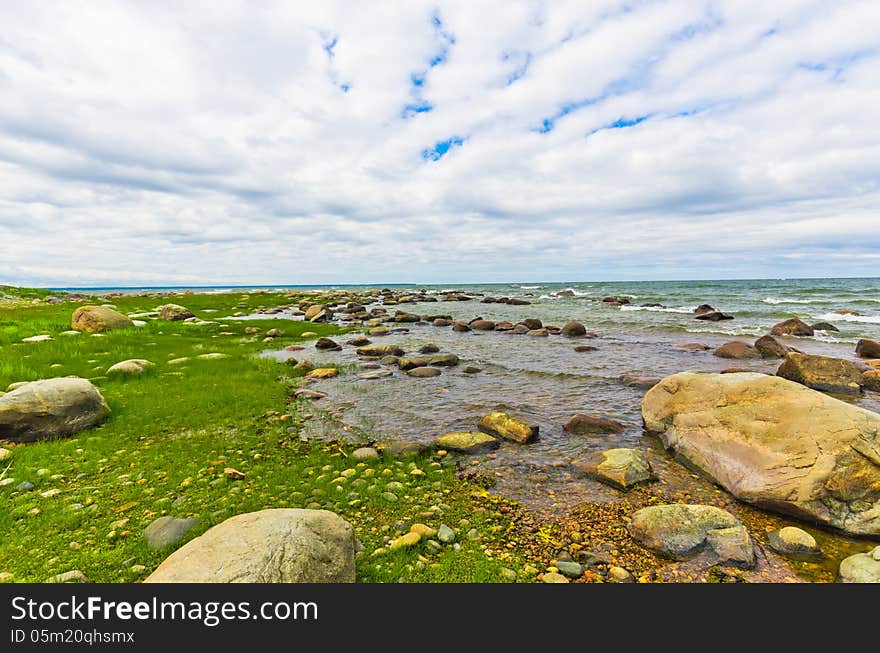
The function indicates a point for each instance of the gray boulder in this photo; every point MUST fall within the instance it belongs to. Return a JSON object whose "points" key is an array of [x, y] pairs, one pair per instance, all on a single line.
{"points": [[280, 545], [860, 568], [620, 468], [51, 408], [166, 531]]}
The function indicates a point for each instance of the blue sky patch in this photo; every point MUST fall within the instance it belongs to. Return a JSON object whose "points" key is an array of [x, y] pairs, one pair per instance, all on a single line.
{"points": [[441, 148]]}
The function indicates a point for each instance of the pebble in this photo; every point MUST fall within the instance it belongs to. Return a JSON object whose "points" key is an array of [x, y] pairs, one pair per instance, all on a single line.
{"points": [[136, 569], [48, 494], [6, 577], [73, 576], [507, 575], [389, 496], [6, 481], [365, 453], [570, 569], [445, 534], [620, 575], [423, 530], [4, 453], [553, 577], [473, 535], [405, 541], [24, 486]]}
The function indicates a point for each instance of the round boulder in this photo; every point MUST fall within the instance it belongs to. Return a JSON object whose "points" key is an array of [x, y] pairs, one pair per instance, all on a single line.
{"points": [[174, 312], [280, 545], [792, 327], [52, 408], [131, 367], [573, 330], [97, 319]]}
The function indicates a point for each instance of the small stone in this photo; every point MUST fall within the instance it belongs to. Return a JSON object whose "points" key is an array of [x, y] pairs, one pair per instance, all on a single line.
{"points": [[570, 569], [793, 542], [553, 577], [137, 569], [405, 541], [24, 486], [4, 453], [445, 534], [423, 530], [389, 496], [507, 575], [48, 494], [473, 535], [364, 453], [471, 369], [166, 531], [74, 576], [233, 474], [620, 575]]}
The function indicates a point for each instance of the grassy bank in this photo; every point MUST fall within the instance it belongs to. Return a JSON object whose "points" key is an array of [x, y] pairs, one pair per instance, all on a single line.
{"points": [[174, 430]]}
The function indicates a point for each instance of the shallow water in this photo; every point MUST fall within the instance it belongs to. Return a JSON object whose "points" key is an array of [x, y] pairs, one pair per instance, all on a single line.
{"points": [[546, 381]]}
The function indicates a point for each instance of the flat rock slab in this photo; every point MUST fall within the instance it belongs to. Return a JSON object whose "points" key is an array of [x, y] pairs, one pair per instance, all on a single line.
{"points": [[508, 427], [467, 442], [774, 443]]}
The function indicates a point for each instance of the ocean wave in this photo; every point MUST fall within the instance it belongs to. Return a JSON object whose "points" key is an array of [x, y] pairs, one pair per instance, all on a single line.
{"points": [[659, 309], [866, 319], [787, 300], [529, 287], [731, 331]]}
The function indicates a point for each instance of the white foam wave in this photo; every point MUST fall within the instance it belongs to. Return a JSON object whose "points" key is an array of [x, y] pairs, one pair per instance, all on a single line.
{"points": [[530, 287], [865, 319], [775, 300], [732, 331], [659, 309]]}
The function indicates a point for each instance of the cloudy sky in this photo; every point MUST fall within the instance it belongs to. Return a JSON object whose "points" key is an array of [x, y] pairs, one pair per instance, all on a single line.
{"points": [[448, 142]]}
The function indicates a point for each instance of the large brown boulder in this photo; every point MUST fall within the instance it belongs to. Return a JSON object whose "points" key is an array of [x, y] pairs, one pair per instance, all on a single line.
{"points": [[835, 375], [52, 408], [792, 327], [573, 330], [770, 347], [736, 349], [775, 444], [868, 348], [282, 545], [97, 319]]}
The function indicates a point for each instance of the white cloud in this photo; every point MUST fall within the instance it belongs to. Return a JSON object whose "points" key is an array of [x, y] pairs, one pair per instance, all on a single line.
{"points": [[238, 143]]}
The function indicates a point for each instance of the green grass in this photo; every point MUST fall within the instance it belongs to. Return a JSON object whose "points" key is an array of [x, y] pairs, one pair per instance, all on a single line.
{"points": [[173, 430]]}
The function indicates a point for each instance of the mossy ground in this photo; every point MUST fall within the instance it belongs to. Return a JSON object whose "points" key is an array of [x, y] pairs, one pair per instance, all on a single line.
{"points": [[172, 432]]}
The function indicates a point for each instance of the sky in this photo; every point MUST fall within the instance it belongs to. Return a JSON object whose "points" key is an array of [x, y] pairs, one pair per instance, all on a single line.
{"points": [[200, 143]]}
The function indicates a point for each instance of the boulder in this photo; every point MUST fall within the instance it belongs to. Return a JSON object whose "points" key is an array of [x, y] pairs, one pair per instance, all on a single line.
{"points": [[461, 327], [131, 367], [620, 468], [736, 349], [97, 319], [52, 408], [423, 372], [508, 427], [406, 318], [401, 448], [275, 333], [374, 374], [437, 360], [583, 423], [467, 442], [539, 333], [770, 347], [380, 350], [327, 344], [714, 316], [482, 325], [693, 346], [519, 329], [314, 312], [364, 453], [682, 531], [793, 542], [871, 380], [775, 444], [704, 308], [166, 531], [792, 327], [732, 546], [504, 326], [532, 323], [322, 373], [868, 348], [573, 330], [174, 312], [429, 348], [835, 375], [637, 381], [359, 341], [860, 568], [824, 326], [380, 331], [441, 322], [280, 545]]}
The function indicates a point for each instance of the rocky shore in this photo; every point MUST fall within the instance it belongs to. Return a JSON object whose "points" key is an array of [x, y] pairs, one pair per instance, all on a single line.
{"points": [[785, 468]]}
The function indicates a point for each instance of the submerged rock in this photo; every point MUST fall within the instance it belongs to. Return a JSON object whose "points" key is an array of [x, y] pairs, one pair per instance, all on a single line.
{"points": [[437, 360], [620, 468], [508, 427], [467, 442], [52, 408], [281, 545], [835, 375], [583, 423], [423, 372], [714, 316], [775, 444], [97, 319], [380, 350], [794, 543], [401, 448], [824, 326]]}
